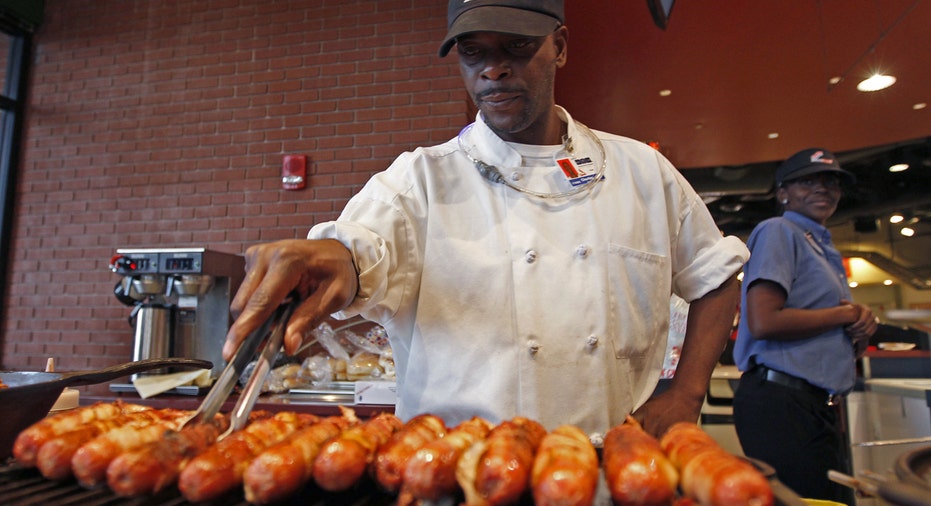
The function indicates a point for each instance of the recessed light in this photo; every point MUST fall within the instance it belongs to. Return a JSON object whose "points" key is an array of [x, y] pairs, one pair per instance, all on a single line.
{"points": [[899, 167], [876, 82], [774, 135], [853, 284], [665, 93], [907, 231], [834, 80], [919, 106], [896, 218], [887, 282]]}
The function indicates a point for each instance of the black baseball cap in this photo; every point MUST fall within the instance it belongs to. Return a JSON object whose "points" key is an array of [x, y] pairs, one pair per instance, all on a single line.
{"points": [[811, 161], [534, 18]]}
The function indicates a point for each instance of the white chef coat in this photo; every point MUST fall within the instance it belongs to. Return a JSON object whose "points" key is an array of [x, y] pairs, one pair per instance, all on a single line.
{"points": [[499, 304]]}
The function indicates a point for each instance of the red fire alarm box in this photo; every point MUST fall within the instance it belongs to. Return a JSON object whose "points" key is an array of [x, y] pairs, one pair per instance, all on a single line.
{"points": [[294, 172]]}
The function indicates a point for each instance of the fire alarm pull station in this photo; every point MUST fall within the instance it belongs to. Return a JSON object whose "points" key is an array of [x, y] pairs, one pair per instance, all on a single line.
{"points": [[294, 172]]}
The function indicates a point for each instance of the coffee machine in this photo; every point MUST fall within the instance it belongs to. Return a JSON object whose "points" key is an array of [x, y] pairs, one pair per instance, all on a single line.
{"points": [[181, 301]]}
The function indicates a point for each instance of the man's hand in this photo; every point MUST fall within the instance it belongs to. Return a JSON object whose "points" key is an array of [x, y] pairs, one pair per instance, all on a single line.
{"points": [[665, 409], [320, 272]]}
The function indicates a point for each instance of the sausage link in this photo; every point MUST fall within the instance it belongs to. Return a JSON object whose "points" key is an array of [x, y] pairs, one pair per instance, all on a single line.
{"points": [[28, 442], [54, 457], [392, 457], [89, 463], [343, 461], [496, 471], [219, 469], [430, 474], [565, 469], [636, 470], [157, 464], [284, 468], [711, 475]]}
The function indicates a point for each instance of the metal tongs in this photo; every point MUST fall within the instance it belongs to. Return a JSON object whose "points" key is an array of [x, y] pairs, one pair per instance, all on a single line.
{"points": [[871, 484], [273, 329]]}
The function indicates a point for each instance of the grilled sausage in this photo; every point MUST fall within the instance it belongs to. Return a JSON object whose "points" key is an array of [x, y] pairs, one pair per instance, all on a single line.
{"points": [[430, 474], [565, 469], [343, 461], [54, 457], [285, 467], [219, 469], [392, 457], [496, 470], [636, 470], [157, 464], [711, 475], [28, 442], [89, 463]]}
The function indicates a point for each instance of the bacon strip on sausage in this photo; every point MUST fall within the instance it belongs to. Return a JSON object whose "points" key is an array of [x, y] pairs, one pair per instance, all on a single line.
{"points": [[28, 442], [636, 470], [565, 469], [54, 457], [711, 475], [89, 463], [496, 471], [430, 474], [343, 461], [157, 464], [219, 469], [392, 457], [284, 468]]}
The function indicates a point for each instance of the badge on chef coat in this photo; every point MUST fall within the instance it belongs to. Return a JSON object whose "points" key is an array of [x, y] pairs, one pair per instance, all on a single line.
{"points": [[578, 171]]}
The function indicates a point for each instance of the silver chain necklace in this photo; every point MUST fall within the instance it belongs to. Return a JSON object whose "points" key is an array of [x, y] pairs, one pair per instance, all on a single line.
{"points": [[491, 173]]}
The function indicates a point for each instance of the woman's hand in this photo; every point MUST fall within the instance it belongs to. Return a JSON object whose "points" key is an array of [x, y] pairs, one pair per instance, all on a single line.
{"points": [[863, 328], [320, 272]]}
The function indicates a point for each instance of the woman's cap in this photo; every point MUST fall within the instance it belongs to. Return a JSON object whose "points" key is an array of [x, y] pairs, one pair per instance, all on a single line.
{"points": [[533, 18], [811, 161]]}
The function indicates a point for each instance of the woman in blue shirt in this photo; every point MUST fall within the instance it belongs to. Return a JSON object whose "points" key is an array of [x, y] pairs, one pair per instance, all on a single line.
{"points": [[799, 333]]}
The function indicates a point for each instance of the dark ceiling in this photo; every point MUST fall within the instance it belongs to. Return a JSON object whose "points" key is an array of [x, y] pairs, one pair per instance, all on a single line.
{"points": [[740, 71]]}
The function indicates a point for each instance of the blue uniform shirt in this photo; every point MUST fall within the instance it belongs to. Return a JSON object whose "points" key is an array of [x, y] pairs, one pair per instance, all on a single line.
{"points": [[797, 253]]}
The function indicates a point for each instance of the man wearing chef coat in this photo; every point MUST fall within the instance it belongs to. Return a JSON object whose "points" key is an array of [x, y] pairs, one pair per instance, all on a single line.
{"points": [[525, 266]]}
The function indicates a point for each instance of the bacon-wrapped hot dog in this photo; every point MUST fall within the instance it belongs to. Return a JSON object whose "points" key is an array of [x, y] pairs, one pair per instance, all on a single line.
{"points": [[392, 457], [344, 460], [565, 469], [495, 471], [284, 468], [54, 457], [636, 470], [431, 472], [29, 441], [710, 474], [219, 469], [157, 464], [89, 463]]}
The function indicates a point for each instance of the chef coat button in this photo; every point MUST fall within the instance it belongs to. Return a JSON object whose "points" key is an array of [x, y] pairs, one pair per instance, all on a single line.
{"points": [[515, 176], [533, 346], [592, 340], [582, 251], [531, 256]]}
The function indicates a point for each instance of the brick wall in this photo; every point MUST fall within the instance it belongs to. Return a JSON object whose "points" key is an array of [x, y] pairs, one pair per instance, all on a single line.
{"points": [[165, 123]]}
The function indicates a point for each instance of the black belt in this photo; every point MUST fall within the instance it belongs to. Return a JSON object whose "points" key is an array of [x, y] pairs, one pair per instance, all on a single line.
{"points": [[789, 381]]}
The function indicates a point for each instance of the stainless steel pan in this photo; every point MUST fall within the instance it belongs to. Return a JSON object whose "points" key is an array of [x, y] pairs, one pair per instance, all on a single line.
{"points": [[31, 394]]}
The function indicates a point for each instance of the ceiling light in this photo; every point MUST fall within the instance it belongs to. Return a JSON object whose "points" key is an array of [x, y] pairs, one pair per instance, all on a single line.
{"points": [[834, 80], [919, 106], [774, 135], [899, 167], [896, 218], [887, 282], [907, 231], [853, 284], [876, 82], [665, 93]]}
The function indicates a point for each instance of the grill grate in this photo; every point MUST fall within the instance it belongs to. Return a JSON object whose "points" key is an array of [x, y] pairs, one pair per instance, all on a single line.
{"points": [[21, 486]]}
